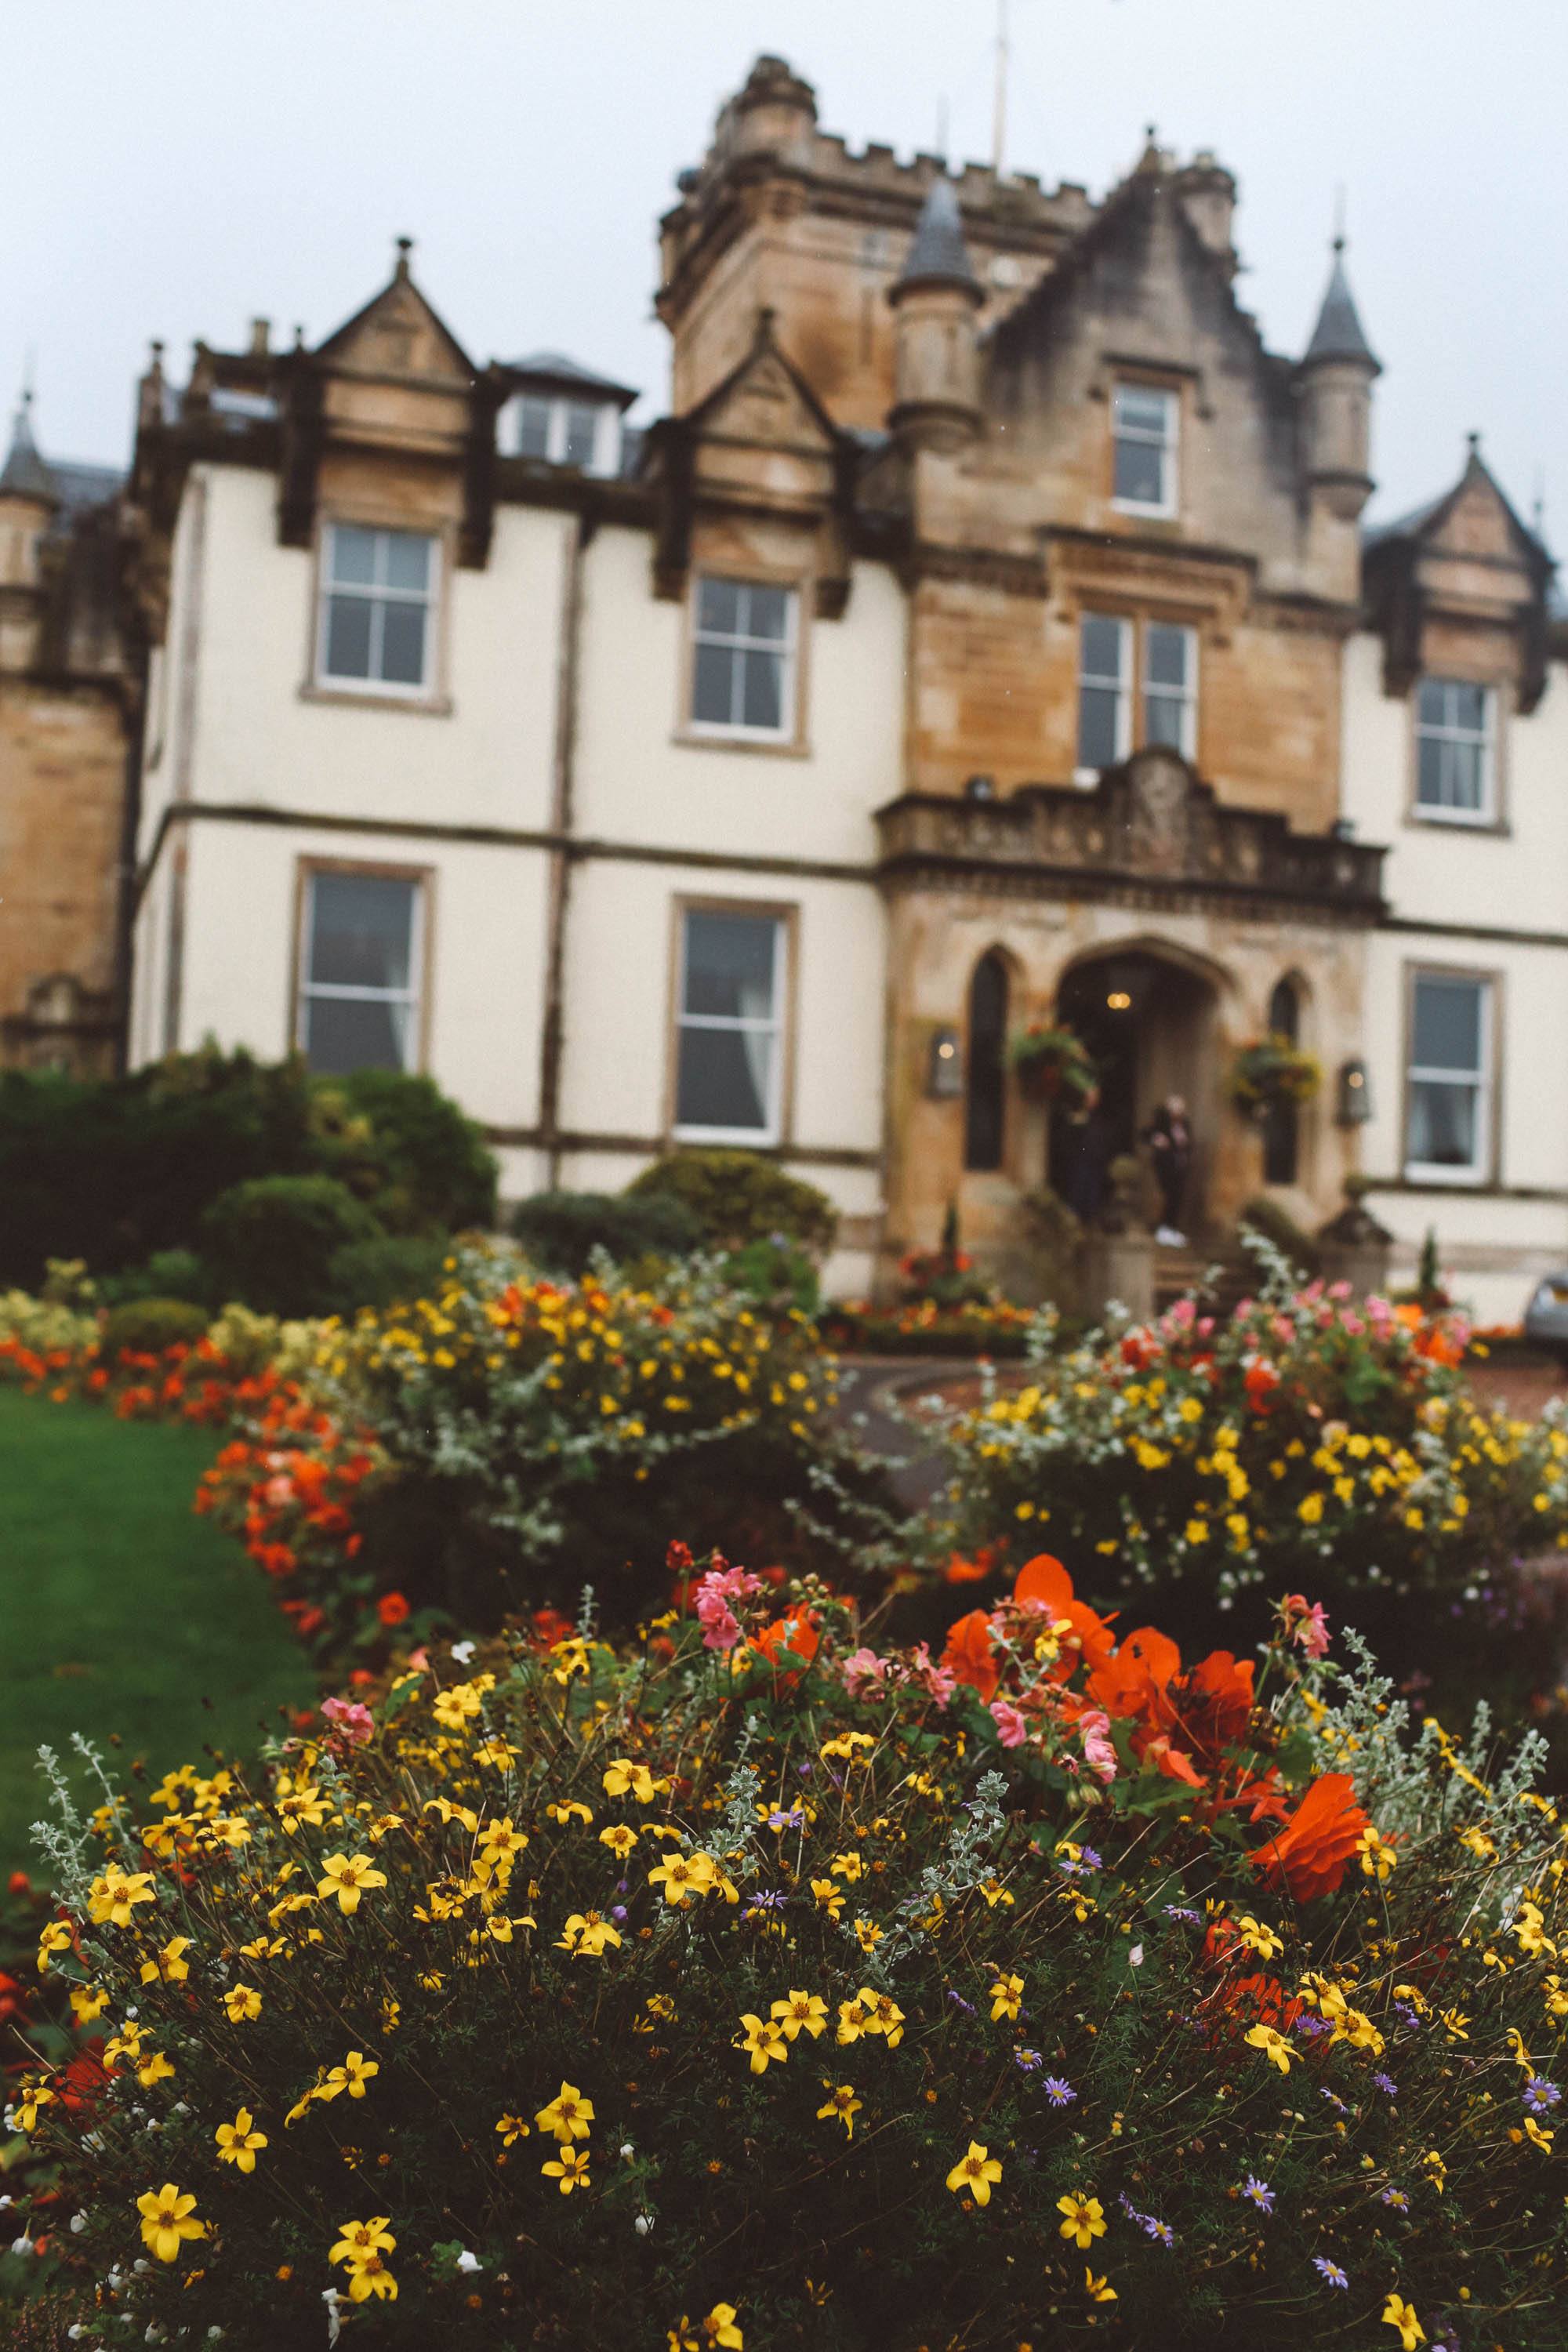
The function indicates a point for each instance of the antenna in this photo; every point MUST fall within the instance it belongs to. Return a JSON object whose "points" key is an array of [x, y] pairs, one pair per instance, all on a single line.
{"points": [[999, 117], [941, 129]]}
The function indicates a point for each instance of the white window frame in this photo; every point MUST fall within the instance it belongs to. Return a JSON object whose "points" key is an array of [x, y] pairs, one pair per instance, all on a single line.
{"points": [[1123, 684], [1167, 442], [378, 596], [606, 458], [1434, 812], [343, 992], [788, 650], [1479, 1171], [1188, 695], [771, 1132]]}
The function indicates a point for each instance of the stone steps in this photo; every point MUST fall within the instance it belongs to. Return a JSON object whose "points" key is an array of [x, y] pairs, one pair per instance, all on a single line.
{"points": [[1220, 1273]]}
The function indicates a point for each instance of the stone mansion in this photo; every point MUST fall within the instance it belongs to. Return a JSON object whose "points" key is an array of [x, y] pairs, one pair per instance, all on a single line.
{"points": [[986, 634]]}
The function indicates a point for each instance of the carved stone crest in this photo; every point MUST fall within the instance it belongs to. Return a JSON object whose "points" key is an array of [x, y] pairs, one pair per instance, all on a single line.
{"points": [[1157, 815]]}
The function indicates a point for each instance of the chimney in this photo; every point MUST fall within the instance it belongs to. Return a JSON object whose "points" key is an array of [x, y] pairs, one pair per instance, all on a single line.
{"points": [[260, 338]]}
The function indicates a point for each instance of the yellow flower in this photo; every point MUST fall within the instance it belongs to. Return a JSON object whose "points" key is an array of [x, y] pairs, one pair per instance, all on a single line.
{"points": [[842, 2103], [512, 2129], [851, 2021], [830, 1898], [882, 2015], [242, 2002], [1274, 2046], [568, 2116], [868, 1935], [56, 1937], [29, 2099], [720, 2327], [152, 2067], [974, 2173], [372, 2278], [1258, 1938], [764, 2041], [167, 2218], [351, 2076], [1085, 2219], [683, 1876], [1543, 2140], [111, 1898], [620, 1838], [454, 1707], [847, 1867], [168, 1965], [622, 1775], [362, 2241], [1099, 2290], [586, 1935], [347, 1875], [300, 1803], [88, 2002], [571, 2169], [798, 2011], [1007, 1994], [1397, 2312], [237, 2143], [1310, 1510], [1377, 1856], [568, 1810], [500, 1843]]}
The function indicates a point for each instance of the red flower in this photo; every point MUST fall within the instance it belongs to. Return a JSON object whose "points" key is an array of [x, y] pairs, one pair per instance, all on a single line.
{"points": [[392, 1609], [1044, 1583], [796, 1633], [1309, 1856], [960, 1571], [970, 1656], [1262, 1380]]}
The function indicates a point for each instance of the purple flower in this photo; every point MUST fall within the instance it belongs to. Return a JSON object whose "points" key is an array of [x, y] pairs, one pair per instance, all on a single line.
{"points": [[805, 1769], [1059, 2094], [1336, 2102], [1406, 2015], [1160, 2229], [959, 2003], [764, 1900], [1260, 2193], [1331, 2271], [1029, 2062], [783, 1819], [1386, 2082], [1091, 1860], [1128, 2206], [1312, 2026], [1070, 1869], [1179, 1911], [617, 1912], [1396, 2198], [1539, 2095]]}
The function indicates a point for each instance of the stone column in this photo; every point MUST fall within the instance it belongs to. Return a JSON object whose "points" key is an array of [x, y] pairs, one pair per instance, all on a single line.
{"points": [[1118, 1251], [1354, 1248]]}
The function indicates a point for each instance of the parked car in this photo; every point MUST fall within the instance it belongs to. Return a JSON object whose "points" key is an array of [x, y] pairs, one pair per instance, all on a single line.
{"points": [[1546, 1317]]}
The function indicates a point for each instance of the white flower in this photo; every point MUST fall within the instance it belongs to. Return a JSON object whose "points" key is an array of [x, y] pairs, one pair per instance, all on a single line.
{"points": [[1135, 1956], [464, 1651], [141, 2265], [627, 2150], [334, 2325], [181, 2108], [467, 2261], [643, 2224], [23, 2245], [78, 2224]]}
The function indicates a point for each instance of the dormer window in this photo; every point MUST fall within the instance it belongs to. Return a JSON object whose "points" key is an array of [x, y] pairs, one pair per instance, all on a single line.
{"points": [[1455, 751], [1143, 426], [581, 433]]}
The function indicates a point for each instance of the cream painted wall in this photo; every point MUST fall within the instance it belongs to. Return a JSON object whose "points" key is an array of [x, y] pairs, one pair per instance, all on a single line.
{"points": [[1496, 1239], [620, 988], [488, 761], [637, 781], [487, 907]]}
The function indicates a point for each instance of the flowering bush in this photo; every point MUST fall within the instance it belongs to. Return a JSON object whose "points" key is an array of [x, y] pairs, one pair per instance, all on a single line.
{"points": [[1055, 1059], [754, 1987], [1273, 1070], [1305, 1439], [467, 1453], [988, 1326]]}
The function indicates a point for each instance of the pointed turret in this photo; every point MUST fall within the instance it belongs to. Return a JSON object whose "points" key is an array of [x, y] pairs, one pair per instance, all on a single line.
{"points": [[28, 500], [935, 296], [24, 474], [1334, 379]]}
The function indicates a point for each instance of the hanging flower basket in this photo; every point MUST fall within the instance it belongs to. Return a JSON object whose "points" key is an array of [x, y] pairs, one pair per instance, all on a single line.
{"points": [[1273, 1074], [1054, 1062]]}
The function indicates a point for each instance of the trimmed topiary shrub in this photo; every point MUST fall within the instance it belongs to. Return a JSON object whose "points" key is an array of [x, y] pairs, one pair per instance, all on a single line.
{"points": [[147, 1326], [758, 1989], [739, 1196], [385, 1269], [407, 1149], [561, 1231], [270, 1242]]}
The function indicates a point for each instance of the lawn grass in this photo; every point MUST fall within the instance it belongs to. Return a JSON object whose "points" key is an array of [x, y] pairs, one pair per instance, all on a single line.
{"points": [[121, 1614]]}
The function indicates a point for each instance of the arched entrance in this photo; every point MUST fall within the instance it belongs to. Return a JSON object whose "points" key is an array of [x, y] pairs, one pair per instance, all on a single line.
{"points": [[1150, 1022]]}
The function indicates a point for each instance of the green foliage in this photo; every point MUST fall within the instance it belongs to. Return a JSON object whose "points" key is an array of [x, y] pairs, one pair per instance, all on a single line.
{"points": [[739, 1196], [271, 1241], [385, 1269], [112, 1171], [561, 1231], [147, 1326], [1273, 1070], [167, 1274], [800, 1951], [1300, 1251], [774, 1274]]}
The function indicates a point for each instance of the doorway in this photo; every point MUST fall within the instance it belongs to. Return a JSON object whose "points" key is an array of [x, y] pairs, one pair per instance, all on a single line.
{"points": [[1149, 1025]]}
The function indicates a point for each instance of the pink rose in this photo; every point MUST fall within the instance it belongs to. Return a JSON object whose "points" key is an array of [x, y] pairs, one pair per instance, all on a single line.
{"points": [[865, 1671], [353, 1719]]}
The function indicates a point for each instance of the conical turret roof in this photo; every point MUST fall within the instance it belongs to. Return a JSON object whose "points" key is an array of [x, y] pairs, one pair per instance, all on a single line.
{"points": [[1339, 334], [24, 474], [939, 256]]}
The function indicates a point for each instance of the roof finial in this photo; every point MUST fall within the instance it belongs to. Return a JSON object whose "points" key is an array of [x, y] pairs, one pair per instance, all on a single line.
{"points": [[404, 247], [1538, 504], [1339, 236], [1473, 446]]}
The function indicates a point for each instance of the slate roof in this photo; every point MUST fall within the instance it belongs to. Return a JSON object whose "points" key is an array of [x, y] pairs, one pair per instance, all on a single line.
{"points": [[24, 475], [1339, 334], [568, 375], [938, 254], [63, 482]]}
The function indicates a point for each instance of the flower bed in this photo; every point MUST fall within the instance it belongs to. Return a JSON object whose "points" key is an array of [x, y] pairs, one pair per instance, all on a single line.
{"points": [[989, 1328], [1305, 1439], [755, 1988]]}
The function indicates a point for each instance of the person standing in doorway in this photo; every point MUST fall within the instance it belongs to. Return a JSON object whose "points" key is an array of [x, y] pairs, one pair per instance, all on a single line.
{"points": [[1170, 1140], [1086, 1154]]}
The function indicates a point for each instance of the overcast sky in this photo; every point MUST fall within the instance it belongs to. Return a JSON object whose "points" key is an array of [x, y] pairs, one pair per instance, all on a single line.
{"points": [[171, 167]]}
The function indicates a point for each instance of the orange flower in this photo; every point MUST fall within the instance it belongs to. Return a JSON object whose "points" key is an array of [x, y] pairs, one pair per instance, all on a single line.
{"points": [[796, 1632], [1044, 1583], [392, 1609], [970, 1656], [1308, 1856], [960, 1571]]}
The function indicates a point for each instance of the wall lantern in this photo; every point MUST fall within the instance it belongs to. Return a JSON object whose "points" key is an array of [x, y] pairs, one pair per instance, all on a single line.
{"points": [[1355, 1094], [945, 1073]]}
